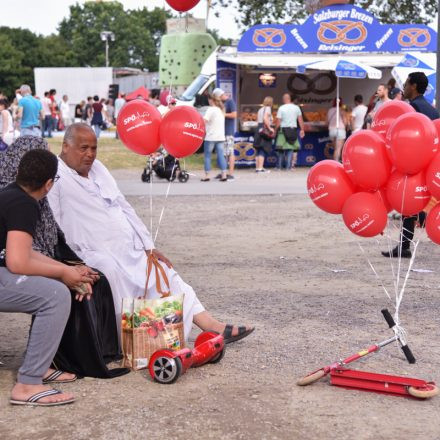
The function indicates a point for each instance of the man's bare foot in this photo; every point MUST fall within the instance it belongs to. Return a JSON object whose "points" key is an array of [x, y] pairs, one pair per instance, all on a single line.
{"points": [[22, 392], [62, 378]]}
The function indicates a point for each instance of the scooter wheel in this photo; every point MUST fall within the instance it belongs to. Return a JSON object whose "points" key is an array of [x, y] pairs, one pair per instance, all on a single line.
{"points": [[307, 380], [183, 177], [145, 177], [167, 370], [429, 390], [218, 357]]}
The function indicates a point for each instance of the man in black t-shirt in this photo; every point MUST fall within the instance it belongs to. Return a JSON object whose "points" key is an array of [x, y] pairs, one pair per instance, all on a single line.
{"points": [[33, 283], [414, 88]]}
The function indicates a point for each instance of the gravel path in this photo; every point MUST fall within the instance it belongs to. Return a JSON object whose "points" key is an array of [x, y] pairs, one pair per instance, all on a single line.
{"points": [[265, 260]]}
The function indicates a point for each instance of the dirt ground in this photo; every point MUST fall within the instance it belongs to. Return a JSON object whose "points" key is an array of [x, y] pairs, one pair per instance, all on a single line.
{"points": [[267, 261]]}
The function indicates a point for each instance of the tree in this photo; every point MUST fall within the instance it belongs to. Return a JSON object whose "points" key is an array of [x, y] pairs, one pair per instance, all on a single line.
{"points": [[253, 12], [137, 34]]}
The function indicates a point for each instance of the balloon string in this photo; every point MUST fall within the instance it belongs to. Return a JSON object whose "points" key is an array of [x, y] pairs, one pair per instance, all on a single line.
{"points": [[165, 201], [151, 192]]}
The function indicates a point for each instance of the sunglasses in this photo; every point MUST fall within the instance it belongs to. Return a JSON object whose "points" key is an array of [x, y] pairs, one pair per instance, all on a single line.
{"points": [[56, 178]]}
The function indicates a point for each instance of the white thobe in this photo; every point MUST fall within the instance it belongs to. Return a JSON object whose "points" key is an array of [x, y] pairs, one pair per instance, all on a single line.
{"points": [[105, 231]]}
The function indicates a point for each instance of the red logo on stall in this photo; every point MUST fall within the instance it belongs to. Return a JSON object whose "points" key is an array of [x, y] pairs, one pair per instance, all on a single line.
{"points": [[414, 37], [332, 32], [269, 37]]}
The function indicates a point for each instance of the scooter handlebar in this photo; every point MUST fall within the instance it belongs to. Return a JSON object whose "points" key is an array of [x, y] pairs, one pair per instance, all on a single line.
{"points": [[406, 350], [388, 318], [408, 354]]}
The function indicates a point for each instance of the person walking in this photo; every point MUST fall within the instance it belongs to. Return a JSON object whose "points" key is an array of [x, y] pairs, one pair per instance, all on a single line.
{"points": [[30, 110], [413, 90], [119, 103], [88, 111], [97, 118], [358, 114], [65, 111], [230, 117], [6, 125], [336, 121], [215, 137], [47, 121], [264, 135], [289, 119]]}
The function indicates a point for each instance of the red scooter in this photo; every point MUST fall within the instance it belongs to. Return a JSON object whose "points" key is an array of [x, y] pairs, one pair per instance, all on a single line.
{"points": [[166, 366], [371, 381]]}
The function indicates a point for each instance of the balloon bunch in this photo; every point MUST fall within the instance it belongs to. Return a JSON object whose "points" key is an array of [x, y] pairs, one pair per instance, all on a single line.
{"points": [[142, 129], [394, 165]]}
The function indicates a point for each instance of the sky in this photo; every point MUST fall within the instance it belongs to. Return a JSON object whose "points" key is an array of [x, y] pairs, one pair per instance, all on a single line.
{"points": [[43, 16]]}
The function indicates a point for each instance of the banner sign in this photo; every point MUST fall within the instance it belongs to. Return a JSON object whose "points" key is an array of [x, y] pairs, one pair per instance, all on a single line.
{"points": [[339, 28]]}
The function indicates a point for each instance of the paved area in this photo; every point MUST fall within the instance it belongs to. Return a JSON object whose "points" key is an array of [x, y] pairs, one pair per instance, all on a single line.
{"points": [[247, 182]]}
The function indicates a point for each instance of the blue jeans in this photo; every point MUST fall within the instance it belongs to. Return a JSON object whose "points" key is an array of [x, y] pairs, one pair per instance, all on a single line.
{"points": [[97, 129], [30, 131], [47, 125], [208, 148], [287, 155]]}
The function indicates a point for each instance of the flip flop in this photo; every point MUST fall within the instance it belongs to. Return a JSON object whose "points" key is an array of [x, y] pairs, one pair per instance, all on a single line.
{"points": [[242, 333], [206, 179], [33, 400], [52, 378]]}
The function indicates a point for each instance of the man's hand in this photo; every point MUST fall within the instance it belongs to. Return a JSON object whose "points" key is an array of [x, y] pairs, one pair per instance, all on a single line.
{"points": [[73, 279], [83, 290], [160, 257], [87, 271], [302, 133]]}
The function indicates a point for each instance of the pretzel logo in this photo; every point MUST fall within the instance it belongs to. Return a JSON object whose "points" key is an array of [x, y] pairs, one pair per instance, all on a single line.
{"points": [[269, 37], [320, 84], [414, 37], [332, 32]]}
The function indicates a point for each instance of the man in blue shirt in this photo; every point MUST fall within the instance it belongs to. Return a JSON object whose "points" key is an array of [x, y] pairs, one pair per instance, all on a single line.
{"points": [[413, 90], [230, 117], [30, 111]]}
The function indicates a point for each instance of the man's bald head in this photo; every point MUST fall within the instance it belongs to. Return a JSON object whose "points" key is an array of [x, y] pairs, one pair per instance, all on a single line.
{"points": [[79, 148]]}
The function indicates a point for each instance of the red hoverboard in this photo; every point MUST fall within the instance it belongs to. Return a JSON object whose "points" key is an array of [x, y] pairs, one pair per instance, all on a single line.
{"points": [[166, 366]]}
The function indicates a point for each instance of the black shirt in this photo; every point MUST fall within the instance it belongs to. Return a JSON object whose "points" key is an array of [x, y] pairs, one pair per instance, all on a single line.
{"points": [[78, 111], [18, 212], [421, 105]]}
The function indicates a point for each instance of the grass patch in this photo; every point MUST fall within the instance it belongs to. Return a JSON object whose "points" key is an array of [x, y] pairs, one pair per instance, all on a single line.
{"points": [[114, 155]]}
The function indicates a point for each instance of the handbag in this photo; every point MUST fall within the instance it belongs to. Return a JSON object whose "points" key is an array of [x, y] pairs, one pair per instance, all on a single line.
{"points": [[267, 134], [290, 134], [3, 145], [149, 325]]}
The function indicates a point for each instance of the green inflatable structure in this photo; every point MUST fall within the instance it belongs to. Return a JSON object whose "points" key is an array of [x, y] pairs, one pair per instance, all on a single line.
{"points": [[182, 57]]}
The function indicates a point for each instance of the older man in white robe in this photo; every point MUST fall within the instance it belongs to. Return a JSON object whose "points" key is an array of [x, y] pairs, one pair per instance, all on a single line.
{"points": [[104, 230]]}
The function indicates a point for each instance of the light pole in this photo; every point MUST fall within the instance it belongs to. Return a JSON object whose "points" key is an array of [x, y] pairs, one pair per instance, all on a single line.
{"points": [[106, 36]]}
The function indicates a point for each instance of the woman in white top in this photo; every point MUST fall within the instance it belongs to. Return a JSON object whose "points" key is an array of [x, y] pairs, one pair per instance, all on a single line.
{"points": [[263, 145], [336, 128], [215, 137], [6, 124]]}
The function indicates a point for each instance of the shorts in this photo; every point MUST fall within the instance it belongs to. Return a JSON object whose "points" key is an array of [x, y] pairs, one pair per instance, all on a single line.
{"points": [[229, 146], [338, 133]]}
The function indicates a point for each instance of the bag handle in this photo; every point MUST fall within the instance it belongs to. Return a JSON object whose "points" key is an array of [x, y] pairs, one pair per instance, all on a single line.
{"points": [[160, 273]]}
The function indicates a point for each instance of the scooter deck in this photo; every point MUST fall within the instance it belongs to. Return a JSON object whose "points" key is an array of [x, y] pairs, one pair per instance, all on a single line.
{"points": [[378, 383]]}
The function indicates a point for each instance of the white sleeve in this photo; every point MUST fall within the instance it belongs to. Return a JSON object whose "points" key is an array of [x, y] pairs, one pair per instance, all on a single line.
{"points": [[208, 115], [136, 222], [279, 113], [54, 201]]}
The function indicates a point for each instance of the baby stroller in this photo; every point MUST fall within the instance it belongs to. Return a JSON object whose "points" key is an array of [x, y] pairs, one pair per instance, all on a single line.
{"points": [[165, 167]]}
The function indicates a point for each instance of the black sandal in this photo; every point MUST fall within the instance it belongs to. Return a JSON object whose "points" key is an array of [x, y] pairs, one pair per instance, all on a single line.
{"points": [[242, 333], [206, 179]]}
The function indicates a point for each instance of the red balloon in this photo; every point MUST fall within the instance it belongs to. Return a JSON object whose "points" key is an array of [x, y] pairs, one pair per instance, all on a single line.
{"points": [[433, 176], [364, 214], [381, 194], [408, 194], [365, 160], [413, 140], [329, 186], [387, 113], [138, 126], [182, 5], [433, 224], [182, 131], [163, 97], [436, 123]]}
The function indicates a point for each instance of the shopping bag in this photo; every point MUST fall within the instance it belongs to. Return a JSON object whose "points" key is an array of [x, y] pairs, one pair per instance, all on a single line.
{"points": [[149, 325]]}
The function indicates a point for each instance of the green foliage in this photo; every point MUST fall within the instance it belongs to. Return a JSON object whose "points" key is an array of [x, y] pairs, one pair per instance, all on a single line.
{"points": [[253, 12], [137, 34]]}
